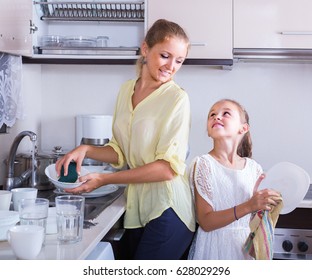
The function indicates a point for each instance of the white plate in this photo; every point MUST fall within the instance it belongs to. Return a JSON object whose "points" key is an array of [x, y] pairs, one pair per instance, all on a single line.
{"points": [[101, 191], [290, 180]]}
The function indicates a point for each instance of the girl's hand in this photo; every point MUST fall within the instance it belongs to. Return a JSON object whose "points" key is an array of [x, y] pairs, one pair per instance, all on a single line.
{"points": [[258, 182], [263, 199]]}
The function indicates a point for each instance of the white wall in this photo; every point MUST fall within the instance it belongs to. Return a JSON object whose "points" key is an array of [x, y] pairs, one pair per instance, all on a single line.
{"points": [[276, 95]]}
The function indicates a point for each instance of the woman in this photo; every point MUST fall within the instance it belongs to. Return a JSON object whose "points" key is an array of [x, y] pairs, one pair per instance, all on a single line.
{"points": [[150, 134]]}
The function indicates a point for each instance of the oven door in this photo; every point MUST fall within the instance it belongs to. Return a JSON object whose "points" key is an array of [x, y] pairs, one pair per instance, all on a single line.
{"points": [[293, 234]]}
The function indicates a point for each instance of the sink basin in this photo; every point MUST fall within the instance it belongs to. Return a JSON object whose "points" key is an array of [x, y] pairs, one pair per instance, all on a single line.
{"points": [[90, 211], [93, 206]]}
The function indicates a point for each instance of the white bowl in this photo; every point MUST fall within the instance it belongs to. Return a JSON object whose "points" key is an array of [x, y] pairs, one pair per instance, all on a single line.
{"points": [[51, 174], [8, 219]]}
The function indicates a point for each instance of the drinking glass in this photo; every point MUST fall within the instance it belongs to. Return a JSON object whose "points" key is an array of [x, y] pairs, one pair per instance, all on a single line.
{"points": [[34, 211], [69, 217]]}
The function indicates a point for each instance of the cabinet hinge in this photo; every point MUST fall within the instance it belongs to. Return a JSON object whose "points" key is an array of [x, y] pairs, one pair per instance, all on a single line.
{"points": [[33, 27]]}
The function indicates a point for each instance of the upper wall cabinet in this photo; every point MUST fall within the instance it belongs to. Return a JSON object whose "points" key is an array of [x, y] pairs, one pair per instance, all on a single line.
{"points": [[78, 29], [16, 26], [102, 30], [272, 24], [208, 23]]}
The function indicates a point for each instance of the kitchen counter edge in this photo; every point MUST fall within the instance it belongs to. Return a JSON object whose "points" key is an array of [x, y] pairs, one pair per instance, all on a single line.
{"points": [[53, 250]]}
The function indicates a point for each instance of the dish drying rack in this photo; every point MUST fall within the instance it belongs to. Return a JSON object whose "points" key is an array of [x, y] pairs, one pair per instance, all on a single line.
{"points": [[92, 11]]}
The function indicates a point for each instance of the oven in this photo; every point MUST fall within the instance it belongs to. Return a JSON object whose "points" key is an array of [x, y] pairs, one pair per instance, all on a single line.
{"points": [[293, 232]]}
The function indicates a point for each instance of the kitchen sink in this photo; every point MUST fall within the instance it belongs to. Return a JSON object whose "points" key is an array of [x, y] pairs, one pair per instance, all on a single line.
{"points": [[93, 206], [91, 211]]}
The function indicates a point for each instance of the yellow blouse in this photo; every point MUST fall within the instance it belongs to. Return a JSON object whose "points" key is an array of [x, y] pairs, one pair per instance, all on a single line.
{"points": [[158, 128]]}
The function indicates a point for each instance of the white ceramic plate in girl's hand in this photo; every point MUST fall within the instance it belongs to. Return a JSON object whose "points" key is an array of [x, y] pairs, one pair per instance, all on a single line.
{"points": [[290, 180], [51, 173]]}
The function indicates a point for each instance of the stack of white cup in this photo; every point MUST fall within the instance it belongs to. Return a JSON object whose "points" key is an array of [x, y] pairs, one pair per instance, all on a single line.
{"points": [[22, 193], [27, 238]]}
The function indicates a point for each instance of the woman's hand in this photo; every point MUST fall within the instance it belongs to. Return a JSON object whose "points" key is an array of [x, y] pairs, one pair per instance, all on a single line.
{"points": [[156, 171], [77, 155], [92, 182]]}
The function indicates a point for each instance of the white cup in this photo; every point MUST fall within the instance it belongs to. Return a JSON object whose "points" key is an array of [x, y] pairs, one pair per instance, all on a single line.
{"points": [[5, 200], [20, 193], [26, 241]]}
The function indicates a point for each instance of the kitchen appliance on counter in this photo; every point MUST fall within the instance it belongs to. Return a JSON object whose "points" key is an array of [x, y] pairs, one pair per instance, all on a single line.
{"points": [[293, 232], [93, 130]]}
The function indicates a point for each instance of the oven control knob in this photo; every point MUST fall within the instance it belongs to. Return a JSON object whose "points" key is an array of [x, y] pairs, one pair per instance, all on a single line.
{"points": [[287, 245], [302, 246]]}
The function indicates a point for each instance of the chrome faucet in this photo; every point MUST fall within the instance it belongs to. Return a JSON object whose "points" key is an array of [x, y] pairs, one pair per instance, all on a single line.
{"points": [[12, 182]]}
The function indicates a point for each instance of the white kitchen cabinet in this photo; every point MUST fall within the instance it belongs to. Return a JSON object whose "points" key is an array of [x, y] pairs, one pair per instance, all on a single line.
{"points": [[275, 24], [208, 24], [23, 23], [16, 27]]}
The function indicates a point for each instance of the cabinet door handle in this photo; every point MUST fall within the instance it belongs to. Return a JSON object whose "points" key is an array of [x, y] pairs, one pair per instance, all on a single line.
{"points": [[198, 44], [296, 32], [119, 234], [33, 27], [115, 234]]}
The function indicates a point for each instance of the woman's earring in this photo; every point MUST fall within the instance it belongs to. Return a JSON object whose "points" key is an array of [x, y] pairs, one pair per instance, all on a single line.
{"points": [[143, 60]]}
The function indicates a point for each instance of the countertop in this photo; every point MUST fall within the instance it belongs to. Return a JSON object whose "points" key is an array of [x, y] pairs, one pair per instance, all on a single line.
{"points": [[53, 250], [305, 204], [307, 201]]}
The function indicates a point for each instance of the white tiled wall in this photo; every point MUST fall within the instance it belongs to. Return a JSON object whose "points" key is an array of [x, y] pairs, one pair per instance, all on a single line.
{"points": [[278, 97]]}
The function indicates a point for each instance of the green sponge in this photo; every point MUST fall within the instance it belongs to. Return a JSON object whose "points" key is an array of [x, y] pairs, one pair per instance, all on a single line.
{"points": [[72, 174]]}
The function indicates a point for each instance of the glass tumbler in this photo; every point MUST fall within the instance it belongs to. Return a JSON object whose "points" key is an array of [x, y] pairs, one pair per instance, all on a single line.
{"points": [[33, 211], [69, 217]]}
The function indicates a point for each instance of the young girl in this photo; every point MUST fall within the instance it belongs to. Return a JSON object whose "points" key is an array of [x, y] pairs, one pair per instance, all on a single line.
{"points": [[224, 184]]}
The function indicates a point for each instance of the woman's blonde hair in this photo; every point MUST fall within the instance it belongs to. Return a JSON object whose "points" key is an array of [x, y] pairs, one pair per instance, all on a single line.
{"points": [[159, 32]]}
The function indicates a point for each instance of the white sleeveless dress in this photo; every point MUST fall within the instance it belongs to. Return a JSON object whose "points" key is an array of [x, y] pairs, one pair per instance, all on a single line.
{"points": [[222, 188]]}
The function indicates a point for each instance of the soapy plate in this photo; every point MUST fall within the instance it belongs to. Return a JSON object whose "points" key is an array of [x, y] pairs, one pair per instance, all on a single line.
{"points": [[290, 180], [101, 191]]}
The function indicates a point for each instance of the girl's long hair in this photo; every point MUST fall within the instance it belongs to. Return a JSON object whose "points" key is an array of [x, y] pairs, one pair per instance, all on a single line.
{"points": [[245, 146]]}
